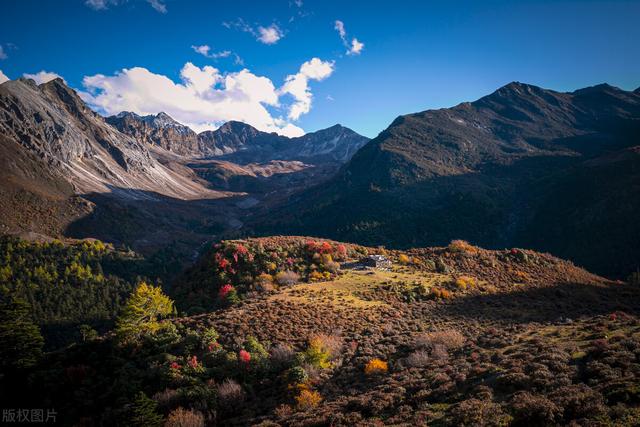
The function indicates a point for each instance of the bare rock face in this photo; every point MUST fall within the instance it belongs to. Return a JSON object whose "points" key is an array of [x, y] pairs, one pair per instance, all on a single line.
{"points": [[52, 122], [160, 130]]}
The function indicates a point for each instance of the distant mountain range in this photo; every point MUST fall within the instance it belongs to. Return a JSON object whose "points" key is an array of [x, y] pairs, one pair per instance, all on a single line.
{"points": [[239, 141], [524, 166]]}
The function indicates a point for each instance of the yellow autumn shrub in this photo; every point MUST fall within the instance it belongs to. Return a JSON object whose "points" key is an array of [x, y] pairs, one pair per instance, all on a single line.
{"points": [[308, 399], [376, 366], [465, 282]]}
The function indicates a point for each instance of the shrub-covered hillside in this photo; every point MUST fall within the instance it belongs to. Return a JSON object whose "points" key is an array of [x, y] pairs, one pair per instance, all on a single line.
{"points": [[235, 268], [298, 334]]}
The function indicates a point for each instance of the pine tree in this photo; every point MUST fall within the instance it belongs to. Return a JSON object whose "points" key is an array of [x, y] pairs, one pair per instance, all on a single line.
{"points": [[146, 305], [144, 412], [20, 339]]}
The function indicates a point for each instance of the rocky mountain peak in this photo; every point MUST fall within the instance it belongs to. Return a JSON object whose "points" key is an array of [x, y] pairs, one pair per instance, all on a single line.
{"points": [[234, 126], [27, 81], [58, 90], [516, 91], [163, 119], [158, 130]]}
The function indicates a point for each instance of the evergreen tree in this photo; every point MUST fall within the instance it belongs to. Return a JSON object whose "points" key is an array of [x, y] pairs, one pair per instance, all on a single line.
{"points": [[144, 412], [20, 339], [142, 311]]}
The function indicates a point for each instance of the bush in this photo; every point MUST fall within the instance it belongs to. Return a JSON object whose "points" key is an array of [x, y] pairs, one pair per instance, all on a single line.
{"points": [[322, 349], [464, 282], [462, 246], [316, 276], [417, 359], [264, 282], [308, 399], [256, 349], [208, 338], [332, 266], [297, 375], [281, 356], [287, 278], [166, 398], [317, 354], [230, 391], [450, 339], [185, 418], [578, 401], [228, 294], [403, 259], [441, 293], [375, 367], [532, 410], [475, 412]]}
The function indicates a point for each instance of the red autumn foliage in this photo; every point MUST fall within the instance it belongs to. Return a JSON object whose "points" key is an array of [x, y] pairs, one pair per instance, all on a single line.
{"points": [[193, 361], [224, 291], [223, 264], [341, 251], [326, 248], [244, 356]]}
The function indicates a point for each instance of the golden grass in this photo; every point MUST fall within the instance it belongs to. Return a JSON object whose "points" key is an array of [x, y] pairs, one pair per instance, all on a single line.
{"points": [[356, 289]]}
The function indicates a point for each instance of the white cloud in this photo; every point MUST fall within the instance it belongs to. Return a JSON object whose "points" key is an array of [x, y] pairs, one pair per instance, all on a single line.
{"points": [[270, 34], [157, 5], [267, 35], [205, 50], [99, 4], [43, 76], [297, 85], [339, 27], [3, 77], [205, 98], [3, 54], [356, 47], [353, 48]]}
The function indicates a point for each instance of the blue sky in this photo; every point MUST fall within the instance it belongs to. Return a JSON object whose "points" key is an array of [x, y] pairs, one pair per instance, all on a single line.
{"points": [[417, 54]]}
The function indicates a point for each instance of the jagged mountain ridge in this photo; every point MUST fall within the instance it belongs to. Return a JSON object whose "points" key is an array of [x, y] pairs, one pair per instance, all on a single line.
{"points": [[496, 172], [160, 130], [238, 141], [51, 121]]}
